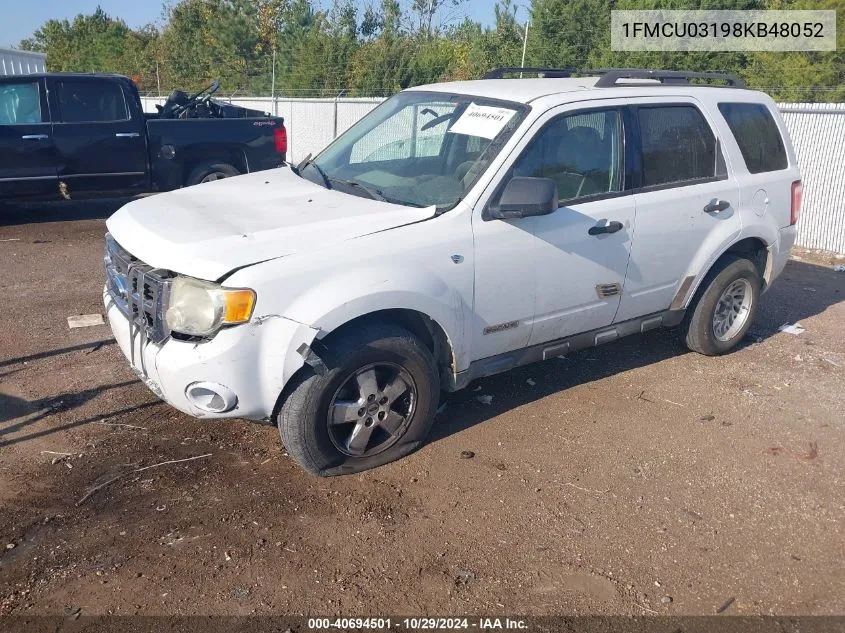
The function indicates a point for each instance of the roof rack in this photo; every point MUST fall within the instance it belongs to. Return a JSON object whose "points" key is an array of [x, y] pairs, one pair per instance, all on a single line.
{"points": [[609, 77], [556, 73]]}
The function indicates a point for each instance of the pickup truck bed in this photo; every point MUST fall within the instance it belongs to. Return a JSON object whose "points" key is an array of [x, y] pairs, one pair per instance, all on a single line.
{"points": [[78, 135]]}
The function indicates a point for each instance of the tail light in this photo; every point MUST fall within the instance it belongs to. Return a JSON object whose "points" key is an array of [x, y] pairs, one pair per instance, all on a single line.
{"points": [[280, 135], [797, 194]]}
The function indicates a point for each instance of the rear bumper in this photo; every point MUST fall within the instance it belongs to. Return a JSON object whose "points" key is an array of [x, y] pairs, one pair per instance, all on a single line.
{"points": [[253, 361], [780, 251]]}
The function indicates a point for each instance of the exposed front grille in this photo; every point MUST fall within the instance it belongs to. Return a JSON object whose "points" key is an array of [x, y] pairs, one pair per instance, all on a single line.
{"points": [[139, 291]]}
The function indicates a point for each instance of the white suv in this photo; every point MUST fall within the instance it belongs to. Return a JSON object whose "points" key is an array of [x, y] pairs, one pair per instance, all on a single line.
{"points": [[457, 231]]}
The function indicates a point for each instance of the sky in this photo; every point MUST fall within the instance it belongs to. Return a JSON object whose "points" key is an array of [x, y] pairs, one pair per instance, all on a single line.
{"points": [[23, 17]]}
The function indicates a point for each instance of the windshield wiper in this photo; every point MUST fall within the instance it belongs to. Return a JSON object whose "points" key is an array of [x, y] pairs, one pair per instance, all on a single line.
{"points": [[305, 162], [374, 193]]}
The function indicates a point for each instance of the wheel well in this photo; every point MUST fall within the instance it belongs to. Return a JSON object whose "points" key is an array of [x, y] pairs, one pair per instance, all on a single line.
{"points": [[756, 251], [421, 325], [233, 157]]}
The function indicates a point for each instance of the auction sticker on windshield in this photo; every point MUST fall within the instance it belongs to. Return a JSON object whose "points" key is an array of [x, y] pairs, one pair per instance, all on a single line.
{"points": [[483, 121]]}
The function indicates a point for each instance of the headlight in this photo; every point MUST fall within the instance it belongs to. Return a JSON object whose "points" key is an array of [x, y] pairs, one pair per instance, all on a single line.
{"points": [[200, 308]]}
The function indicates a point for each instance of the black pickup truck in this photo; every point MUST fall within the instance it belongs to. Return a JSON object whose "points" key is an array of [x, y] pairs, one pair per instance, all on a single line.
{"points": [[74, 135]]}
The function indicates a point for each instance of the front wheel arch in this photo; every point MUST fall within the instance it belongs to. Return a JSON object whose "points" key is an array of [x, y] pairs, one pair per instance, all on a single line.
{"points": [[425, 328], [310, 394]]}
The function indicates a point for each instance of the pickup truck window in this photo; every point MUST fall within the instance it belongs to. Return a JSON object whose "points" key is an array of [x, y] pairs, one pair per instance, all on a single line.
{"points": [[581, 152], [20, 103], [418, 148], [91, 101]]}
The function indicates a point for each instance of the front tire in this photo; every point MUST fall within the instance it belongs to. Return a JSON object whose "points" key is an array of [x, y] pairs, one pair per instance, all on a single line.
{"points": [[723, 308], [375, 402]]}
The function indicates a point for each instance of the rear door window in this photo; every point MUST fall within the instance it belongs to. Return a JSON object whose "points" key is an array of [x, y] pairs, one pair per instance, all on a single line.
{"points": [[20, 103], [678, 146], [91, 101], [757, 135]]}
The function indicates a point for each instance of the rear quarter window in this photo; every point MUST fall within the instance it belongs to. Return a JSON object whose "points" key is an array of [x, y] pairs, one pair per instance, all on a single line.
{"points": [[757, 135]]}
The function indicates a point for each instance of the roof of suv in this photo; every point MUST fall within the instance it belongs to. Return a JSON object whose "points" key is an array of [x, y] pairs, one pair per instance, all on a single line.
{"points": [[521, 90], [634, 82]]}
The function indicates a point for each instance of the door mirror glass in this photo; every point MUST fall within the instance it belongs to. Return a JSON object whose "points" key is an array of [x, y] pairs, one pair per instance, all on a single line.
{"points": [[524, 197]]}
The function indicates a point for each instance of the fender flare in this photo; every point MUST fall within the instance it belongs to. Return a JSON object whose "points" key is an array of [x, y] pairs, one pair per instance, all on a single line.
{"points": [[687, 290], [353, 295]]}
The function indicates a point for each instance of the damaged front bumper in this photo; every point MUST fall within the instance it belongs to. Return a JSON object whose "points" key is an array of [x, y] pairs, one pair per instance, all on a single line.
{"points": [[250, 362]]}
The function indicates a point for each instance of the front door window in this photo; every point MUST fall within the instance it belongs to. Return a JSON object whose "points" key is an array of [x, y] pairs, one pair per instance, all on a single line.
{"points": [[20, 103], [580, 152]]}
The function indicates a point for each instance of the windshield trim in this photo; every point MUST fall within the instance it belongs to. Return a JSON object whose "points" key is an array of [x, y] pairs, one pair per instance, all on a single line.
{"points": [[522, 111]]}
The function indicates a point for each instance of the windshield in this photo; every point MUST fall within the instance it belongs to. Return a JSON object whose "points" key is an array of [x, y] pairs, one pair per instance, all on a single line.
{"points": [[418, 148]]}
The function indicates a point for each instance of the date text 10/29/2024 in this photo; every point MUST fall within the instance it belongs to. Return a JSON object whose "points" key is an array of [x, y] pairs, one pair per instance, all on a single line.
{"points": [[418, 624]]}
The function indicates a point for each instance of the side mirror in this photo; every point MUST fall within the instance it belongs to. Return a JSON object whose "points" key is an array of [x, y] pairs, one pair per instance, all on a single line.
{"points": [[525, 197]]}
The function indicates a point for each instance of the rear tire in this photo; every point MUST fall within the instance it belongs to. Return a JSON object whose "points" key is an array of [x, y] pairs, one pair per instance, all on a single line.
{"points": [[723, 308], [210, 171], [375, 402]]}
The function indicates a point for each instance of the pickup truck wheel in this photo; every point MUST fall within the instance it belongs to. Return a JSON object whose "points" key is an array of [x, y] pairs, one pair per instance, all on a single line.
{"points": [[724, 307], [209, 172], [375, 403]]}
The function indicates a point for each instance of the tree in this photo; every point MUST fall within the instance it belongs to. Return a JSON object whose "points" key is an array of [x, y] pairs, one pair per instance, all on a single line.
{"points": [[380, 49], [567, 32], [424, 12], [479, 49], [802, 76], [93, 42]]}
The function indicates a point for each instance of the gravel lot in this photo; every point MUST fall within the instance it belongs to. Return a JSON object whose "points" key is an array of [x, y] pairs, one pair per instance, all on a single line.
{"points": [[635, 478]]}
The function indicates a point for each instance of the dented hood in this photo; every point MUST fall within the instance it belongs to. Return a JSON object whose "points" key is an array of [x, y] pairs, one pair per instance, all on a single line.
{"points": [[208, 230]]}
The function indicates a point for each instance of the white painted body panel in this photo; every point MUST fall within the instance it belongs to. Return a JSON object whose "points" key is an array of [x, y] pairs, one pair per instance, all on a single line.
{"points": [[318, 259], [505, 287], [772, 225], [569, 264], [409, 267], [542, 272], [254, 360], [207, 230]]}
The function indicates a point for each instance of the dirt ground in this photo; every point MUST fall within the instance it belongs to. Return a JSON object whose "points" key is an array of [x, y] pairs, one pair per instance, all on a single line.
{"points": [[636, 478]]}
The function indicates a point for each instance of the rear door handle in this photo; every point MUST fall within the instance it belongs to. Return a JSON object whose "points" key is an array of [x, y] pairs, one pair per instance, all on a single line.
{"points": [[127, 135], [34, 137], [605, 227], [716, 206]]}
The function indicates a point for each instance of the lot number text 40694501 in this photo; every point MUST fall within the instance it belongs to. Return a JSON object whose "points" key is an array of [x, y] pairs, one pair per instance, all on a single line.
{"points": [[418, 624]]}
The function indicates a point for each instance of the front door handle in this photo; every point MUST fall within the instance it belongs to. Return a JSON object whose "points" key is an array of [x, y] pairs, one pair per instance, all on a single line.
{"points": [[127, 135], [716, 206], [34, 137], [605, 227]]}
